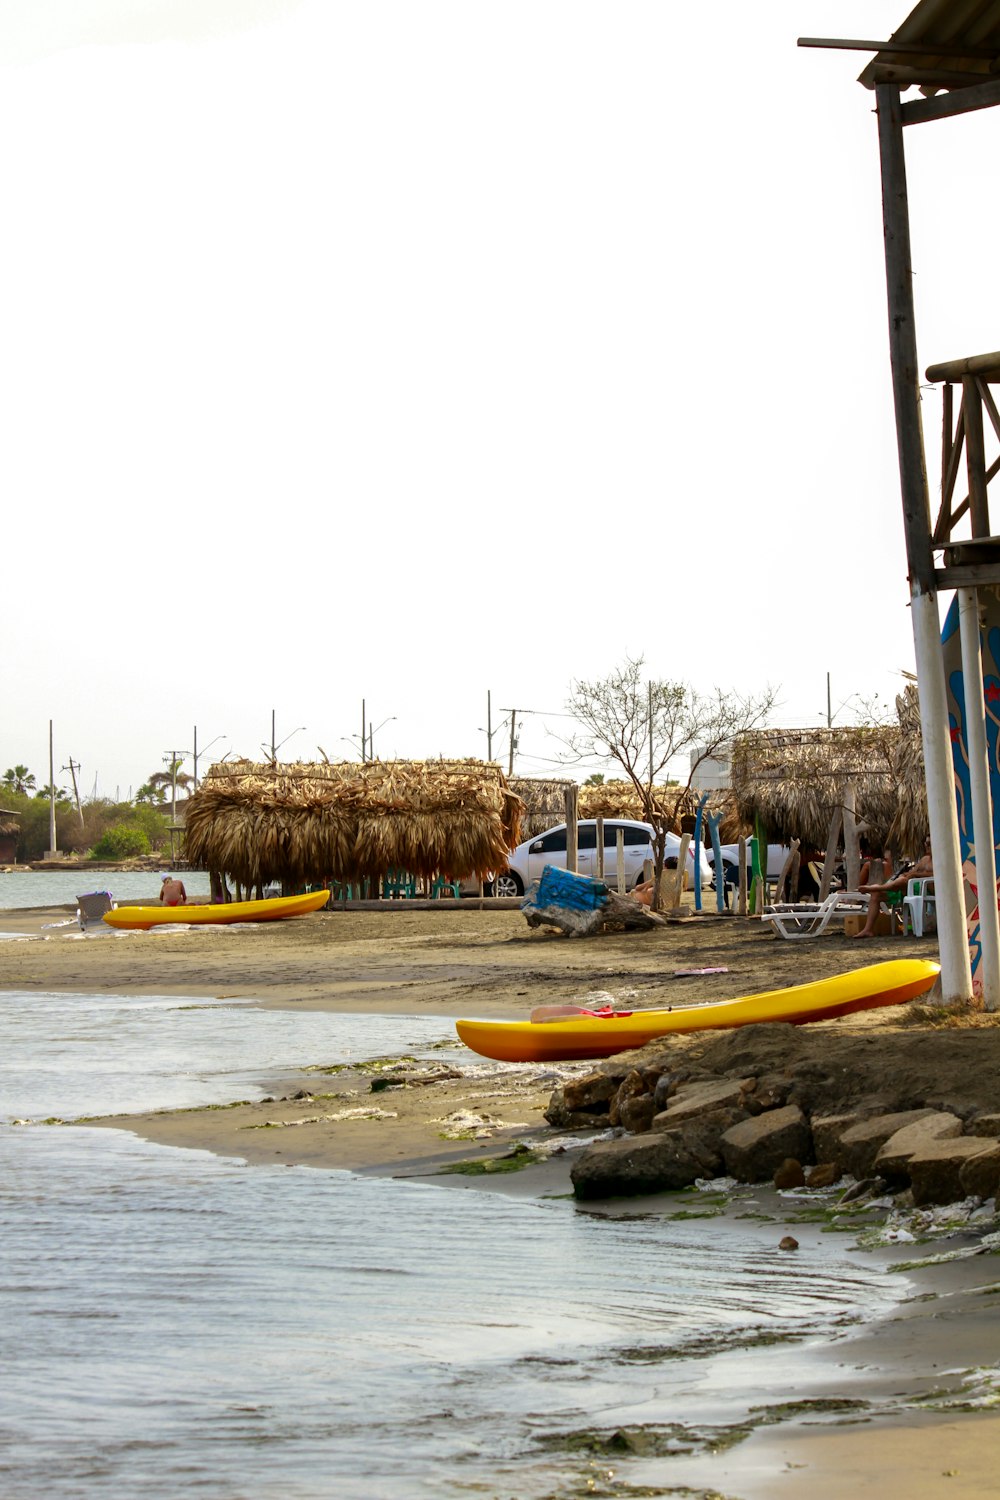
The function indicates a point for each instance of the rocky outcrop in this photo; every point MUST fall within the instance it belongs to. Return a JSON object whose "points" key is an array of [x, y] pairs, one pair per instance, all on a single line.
{"points": [[754, 1150], [768, 1103], [653, 1163]]}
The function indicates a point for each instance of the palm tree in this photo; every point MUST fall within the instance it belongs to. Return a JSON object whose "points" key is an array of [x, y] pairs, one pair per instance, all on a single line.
{"points": [[149, 793], [58, 793], [19, 780], [172, 776]]}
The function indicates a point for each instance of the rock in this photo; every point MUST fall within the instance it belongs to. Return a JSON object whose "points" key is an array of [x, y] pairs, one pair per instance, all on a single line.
{"points": [[983, 1125], [893, 1155], [827, 1131], [824, 1175], [860, 1144], [630, 1087], [562, 1118], [635, 1114], [790, 1174], [591, 1093], [650, 1163], [703, 1137], [788, 1243], [868, 1187], [935, 1171], [666, 1086], [767, 1093], [693, 1099], [755, 1149], [981, 1174]]}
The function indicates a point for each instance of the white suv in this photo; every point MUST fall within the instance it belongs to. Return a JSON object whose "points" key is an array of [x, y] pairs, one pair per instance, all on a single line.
{"points": [[530, 858]]}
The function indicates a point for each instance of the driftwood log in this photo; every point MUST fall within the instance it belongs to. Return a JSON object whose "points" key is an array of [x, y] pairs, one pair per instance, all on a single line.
{"points": [[617, 913]]}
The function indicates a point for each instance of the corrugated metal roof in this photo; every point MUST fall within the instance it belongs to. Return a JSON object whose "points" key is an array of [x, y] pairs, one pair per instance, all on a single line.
{"points": [[942, 44]]}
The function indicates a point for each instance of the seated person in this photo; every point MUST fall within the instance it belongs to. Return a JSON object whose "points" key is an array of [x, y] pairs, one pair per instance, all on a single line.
{"points": [[172, 892], [923, 868]]}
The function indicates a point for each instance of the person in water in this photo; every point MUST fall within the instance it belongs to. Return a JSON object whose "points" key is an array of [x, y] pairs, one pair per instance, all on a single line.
{"points": [[172, 892]]}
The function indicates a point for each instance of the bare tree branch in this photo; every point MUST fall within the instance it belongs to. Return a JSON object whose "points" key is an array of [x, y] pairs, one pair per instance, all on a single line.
{"points": [[646, 725]]}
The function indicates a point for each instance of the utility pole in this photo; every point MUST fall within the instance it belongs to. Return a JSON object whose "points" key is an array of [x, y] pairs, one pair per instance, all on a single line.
{"points": [[649, 699], [52, 851], [489, 727], [72, 768], [513, 741], [273, 753], [829, 710]]}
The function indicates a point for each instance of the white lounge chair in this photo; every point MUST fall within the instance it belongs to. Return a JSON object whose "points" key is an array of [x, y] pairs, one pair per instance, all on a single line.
{"points": [[805, 919], [93, 906]]}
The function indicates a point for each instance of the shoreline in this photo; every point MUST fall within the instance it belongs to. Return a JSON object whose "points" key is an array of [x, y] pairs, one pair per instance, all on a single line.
{"points": [[449, 965]]}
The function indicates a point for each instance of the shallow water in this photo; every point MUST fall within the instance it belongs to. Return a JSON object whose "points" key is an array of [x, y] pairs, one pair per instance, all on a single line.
{"points": [[73, 1055], [174, 1322], [26, 888]]}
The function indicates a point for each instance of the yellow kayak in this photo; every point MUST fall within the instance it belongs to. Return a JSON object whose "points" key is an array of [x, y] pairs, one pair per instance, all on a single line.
{"points": [[269, 910], [596, 1034]]}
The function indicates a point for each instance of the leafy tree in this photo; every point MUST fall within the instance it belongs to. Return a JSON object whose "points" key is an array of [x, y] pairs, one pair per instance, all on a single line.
{"points": [[60, 793], [645, 725], [154, 824], [121, 841], [597, 779], [19, 780], [34, 825], [150, 793]]}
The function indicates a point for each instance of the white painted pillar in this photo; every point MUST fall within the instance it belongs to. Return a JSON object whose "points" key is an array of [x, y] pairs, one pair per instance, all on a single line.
{"points": [[953, 942], [982, 801]]}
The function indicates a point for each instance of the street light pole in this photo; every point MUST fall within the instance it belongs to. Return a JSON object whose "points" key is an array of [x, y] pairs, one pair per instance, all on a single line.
{"points": [[52, 850]]}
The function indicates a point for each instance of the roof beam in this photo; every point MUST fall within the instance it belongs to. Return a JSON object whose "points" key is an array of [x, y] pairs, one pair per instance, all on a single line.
{"points": [[921, 48], [959, 102]]}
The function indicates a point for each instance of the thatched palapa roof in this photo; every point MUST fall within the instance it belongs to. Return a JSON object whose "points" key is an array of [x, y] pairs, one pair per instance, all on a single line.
{"points": [[310, 822], [544, 802], [794, 781]]}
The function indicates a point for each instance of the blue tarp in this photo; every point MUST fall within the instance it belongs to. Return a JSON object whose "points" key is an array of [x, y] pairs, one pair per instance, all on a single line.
{"points": [[573, 892]]}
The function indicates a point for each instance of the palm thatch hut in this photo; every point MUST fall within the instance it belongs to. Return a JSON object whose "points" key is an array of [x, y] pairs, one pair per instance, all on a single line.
{"points": [[10, 833], [911, 825], [308, 823], [620, 799], [544, 802], [795, 781]]}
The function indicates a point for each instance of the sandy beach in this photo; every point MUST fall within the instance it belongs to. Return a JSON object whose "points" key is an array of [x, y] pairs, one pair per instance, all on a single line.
{"points": [[401, 1119]]}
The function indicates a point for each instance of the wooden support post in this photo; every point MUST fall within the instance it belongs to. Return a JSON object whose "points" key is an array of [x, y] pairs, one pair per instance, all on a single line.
{"points": [[789, 872], [830, 857], [675, 894], [982, 801], [956, 974], [742, 903], [572, 799], [599, 836], [620, 860], [852, 843], [714, 820], [975, 456], [699, 849]]}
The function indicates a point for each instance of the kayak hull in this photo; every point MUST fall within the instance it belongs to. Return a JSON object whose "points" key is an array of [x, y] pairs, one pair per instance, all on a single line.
{"points": [[271, 909], [588, 1035]]}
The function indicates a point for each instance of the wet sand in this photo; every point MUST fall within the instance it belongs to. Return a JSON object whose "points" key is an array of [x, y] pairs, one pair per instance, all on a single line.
{"points": [[482, 963]]}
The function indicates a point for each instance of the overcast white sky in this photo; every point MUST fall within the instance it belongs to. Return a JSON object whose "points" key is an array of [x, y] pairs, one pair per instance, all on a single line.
{"points": [[403, 351]]}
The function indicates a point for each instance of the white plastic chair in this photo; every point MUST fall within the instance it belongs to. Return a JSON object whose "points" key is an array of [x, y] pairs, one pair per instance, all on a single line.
{"points": [[805, 919], [920, 903]]}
